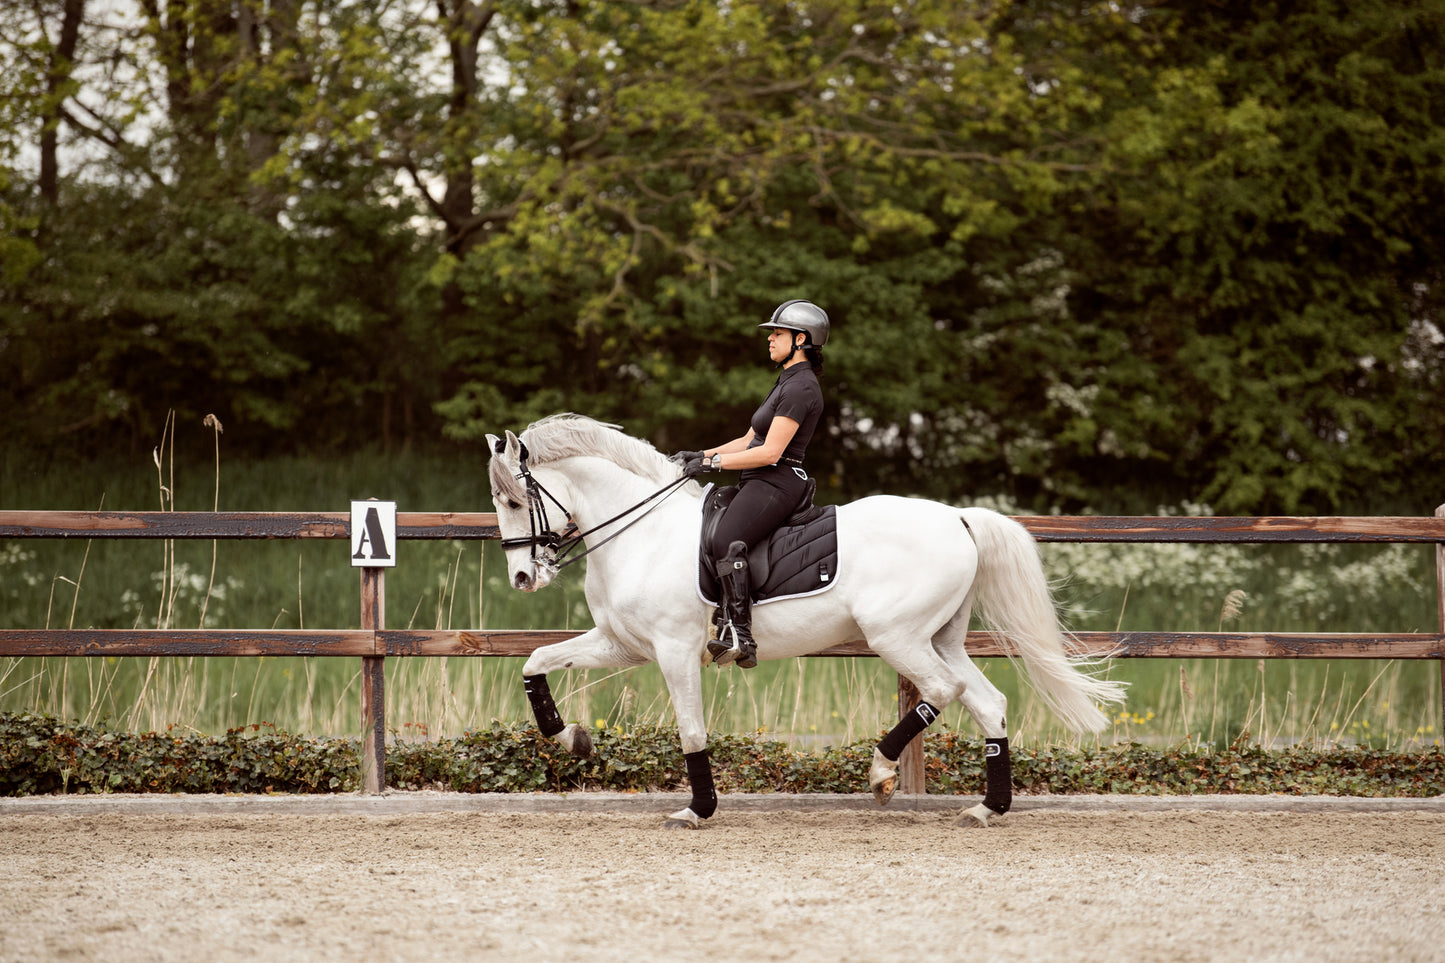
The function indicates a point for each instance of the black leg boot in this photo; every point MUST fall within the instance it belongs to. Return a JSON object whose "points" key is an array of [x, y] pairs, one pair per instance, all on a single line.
{"points": [[735, 636]]}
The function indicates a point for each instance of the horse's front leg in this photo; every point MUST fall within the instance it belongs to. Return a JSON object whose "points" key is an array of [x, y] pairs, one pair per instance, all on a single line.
{"points": [[591, 650], [682, 671]]}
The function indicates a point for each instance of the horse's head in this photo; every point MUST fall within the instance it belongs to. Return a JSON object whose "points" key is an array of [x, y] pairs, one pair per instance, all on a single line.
{"points": [[527, 537], [537, 528]]}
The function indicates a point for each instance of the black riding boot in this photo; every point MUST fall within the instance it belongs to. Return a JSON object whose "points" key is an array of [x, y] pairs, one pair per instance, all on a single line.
{"points": [[735, 633]]}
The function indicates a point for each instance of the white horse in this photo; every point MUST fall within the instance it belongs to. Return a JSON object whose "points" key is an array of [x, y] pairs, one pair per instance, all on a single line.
{"points": [[910, 573]]}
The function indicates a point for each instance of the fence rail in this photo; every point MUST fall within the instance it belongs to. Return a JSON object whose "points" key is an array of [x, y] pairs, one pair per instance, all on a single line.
{"points": [[471, 525], [397, 643], [239, 525], [373, 643]]}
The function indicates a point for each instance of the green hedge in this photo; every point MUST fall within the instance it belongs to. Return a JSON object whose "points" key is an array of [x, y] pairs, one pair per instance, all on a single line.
{"points": [[40, 755]]}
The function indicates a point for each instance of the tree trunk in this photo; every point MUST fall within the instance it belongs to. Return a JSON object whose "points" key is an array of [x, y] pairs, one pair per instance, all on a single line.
{"points": [[62, 62]]}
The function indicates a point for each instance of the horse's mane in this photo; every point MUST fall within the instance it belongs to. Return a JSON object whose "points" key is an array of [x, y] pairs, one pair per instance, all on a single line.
{"points": [[570, 435]]}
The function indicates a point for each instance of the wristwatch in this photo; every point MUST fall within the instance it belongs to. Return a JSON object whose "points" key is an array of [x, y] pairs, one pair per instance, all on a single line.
{"points": [[716, 461]]}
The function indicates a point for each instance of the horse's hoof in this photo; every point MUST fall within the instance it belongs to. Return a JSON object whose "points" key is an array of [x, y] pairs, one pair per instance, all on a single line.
{"points": [[682, 819], [975, 818], [576, 740], [883, 777]]}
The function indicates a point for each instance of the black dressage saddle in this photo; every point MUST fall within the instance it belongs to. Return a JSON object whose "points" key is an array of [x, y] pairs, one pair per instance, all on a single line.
{"points": [[800, 558]]}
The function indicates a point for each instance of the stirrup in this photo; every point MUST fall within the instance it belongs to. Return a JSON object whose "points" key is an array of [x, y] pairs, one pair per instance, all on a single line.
{"points": [[730, 647], [724, 649]]}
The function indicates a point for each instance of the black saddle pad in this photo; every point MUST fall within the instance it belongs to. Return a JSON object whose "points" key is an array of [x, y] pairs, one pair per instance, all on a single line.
{"points": [[801, 557]]}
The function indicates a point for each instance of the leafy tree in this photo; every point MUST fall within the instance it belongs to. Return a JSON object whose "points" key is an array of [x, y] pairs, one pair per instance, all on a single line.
{"points": [[1083, 254], [1268, 244], [679, 167], [214, 283]]}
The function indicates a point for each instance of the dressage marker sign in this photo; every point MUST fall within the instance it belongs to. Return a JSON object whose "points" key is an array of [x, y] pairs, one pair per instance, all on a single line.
{"points": [[373, 534]]}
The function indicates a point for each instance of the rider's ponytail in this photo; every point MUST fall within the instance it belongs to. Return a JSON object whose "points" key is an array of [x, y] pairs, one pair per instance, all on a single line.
{"points": [[814, 354]]}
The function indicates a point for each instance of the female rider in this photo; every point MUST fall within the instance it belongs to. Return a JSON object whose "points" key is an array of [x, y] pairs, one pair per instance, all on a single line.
{"points": [[770, 457]]}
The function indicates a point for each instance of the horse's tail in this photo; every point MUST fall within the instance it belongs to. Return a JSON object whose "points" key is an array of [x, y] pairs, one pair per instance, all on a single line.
{"points": [[1012, 596]]}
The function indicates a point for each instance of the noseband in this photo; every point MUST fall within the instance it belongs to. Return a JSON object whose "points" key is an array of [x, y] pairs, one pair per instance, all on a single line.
{"points": [[561, 544]]}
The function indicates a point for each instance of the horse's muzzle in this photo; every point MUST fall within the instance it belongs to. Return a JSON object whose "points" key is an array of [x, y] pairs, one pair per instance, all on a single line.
{"points": [[534, 578]]}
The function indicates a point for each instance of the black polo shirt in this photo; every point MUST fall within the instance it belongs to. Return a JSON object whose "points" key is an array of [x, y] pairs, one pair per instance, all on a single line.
{"points": [[798, 396]]}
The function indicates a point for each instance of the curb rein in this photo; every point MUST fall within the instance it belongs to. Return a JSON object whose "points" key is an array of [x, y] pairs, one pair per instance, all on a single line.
{"points": [[561, 544]]}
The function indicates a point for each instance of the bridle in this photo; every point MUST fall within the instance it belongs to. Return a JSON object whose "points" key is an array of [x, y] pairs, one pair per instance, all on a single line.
{"points": [[542, 532], [561, 544]]}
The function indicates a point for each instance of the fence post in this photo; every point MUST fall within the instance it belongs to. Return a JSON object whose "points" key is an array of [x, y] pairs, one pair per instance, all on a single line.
{"points": [[1440, 598], [911, 776], [373, 685]]}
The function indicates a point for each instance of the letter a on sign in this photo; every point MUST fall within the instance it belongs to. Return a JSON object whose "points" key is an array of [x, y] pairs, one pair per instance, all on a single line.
{"points": [[373, 534]]}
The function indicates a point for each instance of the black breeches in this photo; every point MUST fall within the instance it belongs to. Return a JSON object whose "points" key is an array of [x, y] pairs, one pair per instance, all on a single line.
{"points": [[764, 501]]}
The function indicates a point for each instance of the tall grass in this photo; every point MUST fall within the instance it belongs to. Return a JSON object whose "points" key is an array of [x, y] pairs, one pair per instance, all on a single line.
{"points": [[447, 585]]}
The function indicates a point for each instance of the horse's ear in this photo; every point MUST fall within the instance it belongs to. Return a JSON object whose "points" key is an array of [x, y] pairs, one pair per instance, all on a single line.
{"points": [[496, 444], [514, 445]]}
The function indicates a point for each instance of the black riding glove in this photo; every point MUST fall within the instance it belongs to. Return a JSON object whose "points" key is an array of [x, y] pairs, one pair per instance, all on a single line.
{"points": [[694, 463]]}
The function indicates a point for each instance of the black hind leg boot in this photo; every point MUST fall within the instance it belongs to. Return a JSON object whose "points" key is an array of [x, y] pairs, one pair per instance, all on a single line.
{"points": [[735, 636]]}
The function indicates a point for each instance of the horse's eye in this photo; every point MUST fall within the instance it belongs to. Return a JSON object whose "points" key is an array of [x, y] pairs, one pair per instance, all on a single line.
{"points": [[512, 505]]}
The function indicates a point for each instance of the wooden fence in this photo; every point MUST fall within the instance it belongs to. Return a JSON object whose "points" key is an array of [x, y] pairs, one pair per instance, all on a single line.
{"points": [[373, 643]]}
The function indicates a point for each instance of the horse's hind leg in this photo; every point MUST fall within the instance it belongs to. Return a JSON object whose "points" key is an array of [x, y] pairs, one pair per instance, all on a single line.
{"points": [[938, 685], [989, 708]]}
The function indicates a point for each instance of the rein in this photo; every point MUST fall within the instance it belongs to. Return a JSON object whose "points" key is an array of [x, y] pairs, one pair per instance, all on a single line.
{"points": [[561, 544]]}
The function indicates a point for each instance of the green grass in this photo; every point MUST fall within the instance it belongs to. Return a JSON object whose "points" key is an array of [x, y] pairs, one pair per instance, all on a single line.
{"points": [[310, 584]]}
